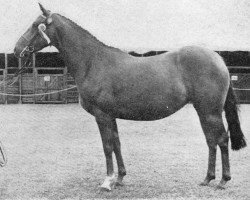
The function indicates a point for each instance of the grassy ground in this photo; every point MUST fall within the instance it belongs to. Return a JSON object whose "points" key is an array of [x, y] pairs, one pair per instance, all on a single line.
{"points": [[55, 152]]}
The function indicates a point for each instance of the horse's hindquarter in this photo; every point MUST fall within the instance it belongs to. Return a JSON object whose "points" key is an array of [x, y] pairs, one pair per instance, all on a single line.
{"points": [[205, 75], [144, 88]]}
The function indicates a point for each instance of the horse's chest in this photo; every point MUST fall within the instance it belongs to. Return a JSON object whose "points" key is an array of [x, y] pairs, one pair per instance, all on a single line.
{"points": [[95, 98]]}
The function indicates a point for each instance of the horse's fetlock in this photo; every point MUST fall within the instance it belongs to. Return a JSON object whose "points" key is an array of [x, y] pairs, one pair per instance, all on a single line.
{"points": [[122, 172], [210, 177]]}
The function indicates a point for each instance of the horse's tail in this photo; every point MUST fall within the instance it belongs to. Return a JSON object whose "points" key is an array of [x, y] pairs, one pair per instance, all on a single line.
{"points": [[237, 138]]}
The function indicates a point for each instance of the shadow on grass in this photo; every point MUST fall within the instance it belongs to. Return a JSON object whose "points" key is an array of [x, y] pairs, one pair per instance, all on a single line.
{"points": [[86, 188]]}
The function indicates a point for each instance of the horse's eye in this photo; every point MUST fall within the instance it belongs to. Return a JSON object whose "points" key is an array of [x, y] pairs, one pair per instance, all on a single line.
{"points": [[34, 24]]}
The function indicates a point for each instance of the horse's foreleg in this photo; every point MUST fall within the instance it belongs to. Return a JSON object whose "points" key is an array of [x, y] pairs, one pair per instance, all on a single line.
{"points": [[111, 142], [117, 150], [106, 130]]}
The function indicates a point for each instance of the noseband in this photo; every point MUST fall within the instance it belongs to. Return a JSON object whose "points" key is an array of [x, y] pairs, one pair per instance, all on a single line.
{"points": [[29, 48], [41, 29]]}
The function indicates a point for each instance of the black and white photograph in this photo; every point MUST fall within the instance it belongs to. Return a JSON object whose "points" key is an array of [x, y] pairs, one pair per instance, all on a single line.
{"points": [[124, 99]]}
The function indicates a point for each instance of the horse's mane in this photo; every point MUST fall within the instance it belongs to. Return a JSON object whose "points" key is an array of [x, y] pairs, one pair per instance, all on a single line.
{"points": [[86, 32]]}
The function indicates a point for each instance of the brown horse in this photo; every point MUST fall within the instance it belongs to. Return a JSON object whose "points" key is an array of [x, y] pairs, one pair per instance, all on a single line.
{"points": [[113, 84]]}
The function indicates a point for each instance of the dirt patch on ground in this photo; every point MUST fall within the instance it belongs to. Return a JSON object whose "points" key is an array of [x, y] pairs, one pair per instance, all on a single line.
{"points": [[55, 152]]}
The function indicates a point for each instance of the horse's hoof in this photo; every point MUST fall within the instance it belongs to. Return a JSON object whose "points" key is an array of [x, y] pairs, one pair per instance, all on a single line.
{"points": [[119, 184], [220, 187], [207, 181], [203, 183], [108, 183], [105, 188]]}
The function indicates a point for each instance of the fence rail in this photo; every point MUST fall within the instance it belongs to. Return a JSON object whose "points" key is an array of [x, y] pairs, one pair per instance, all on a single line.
{"points": [[41, 82]]}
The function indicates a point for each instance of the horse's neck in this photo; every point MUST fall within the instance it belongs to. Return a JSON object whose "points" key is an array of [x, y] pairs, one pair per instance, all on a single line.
{"points": [[77, 48]]}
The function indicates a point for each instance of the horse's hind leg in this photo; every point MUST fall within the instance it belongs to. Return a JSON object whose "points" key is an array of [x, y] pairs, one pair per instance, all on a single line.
{"points": [[215, 133], [223, 144], [207, 122]]}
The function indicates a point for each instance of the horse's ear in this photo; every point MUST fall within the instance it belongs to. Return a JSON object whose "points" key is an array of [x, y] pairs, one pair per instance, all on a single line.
{"points": [[45, 12]]}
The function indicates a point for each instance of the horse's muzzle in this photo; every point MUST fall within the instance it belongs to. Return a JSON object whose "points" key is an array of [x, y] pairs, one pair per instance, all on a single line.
{"points": [[22, 48], [19, 52]]}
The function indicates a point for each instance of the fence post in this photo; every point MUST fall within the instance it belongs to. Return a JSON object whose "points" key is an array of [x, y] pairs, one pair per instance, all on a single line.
{"points": [[20, 80], [34, 77], [65, 83]]}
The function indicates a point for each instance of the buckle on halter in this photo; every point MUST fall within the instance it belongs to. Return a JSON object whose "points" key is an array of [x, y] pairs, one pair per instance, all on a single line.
{"points": [[27, 48], [23, 51], [31, 48]]}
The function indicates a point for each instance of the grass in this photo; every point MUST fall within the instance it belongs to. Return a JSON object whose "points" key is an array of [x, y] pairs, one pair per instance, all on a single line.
{"points": [[55, 152]]}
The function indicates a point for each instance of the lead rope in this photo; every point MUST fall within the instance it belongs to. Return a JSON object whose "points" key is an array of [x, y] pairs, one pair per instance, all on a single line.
{"points": [[39, 94], [6, 82], [2, 164]]}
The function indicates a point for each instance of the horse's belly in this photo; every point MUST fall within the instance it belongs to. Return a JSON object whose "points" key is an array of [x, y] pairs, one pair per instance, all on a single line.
{"points": [[147, 110], [143, 98], [153, 104], [143, 115]]}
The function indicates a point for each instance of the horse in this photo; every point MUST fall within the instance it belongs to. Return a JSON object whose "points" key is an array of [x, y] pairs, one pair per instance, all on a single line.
{"points": [[115, 85]]}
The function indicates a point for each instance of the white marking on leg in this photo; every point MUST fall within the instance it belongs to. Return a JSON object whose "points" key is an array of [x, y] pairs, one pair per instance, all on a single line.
{"points": [[108, 182]]}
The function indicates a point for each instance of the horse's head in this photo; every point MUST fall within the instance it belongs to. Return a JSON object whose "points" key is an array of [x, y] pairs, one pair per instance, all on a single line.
{"points": [[38, 35]]}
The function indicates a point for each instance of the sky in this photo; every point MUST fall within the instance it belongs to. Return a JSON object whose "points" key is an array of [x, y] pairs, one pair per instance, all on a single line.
{"points": [[140, 25]]}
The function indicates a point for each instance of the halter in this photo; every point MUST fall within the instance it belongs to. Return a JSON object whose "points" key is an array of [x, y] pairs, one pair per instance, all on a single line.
{"points": [[41, 29]]}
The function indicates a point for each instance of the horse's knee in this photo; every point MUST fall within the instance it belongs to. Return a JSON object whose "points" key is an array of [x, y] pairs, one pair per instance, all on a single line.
{"points": [[223, 141], [211, 140], [108, 149]]}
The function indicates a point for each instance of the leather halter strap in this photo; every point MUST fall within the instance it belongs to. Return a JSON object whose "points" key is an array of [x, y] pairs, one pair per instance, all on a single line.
{"points": [[41, 28]]}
